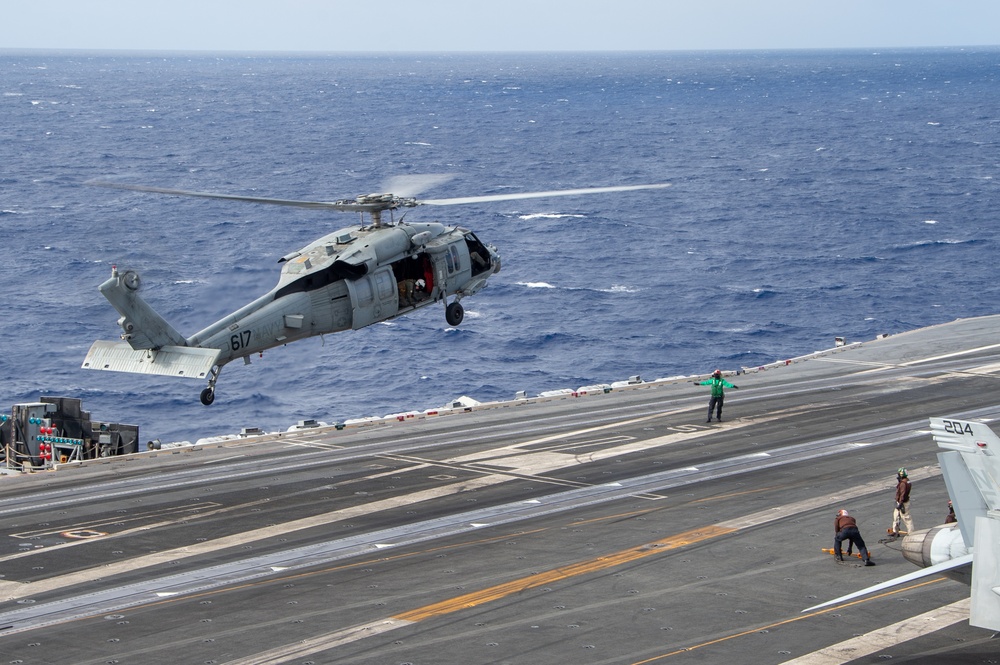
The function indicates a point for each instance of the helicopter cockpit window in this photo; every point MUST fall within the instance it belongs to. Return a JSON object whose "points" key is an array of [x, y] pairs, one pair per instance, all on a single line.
{"points": [[478, 253]]}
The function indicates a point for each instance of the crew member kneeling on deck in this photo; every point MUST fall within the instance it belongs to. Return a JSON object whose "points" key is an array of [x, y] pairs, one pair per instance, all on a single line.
{"points": [[847, 529]]}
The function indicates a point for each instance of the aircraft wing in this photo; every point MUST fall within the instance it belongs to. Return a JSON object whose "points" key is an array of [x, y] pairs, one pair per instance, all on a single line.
{"points": [[919, 574], [183, 361], [970, 464]]}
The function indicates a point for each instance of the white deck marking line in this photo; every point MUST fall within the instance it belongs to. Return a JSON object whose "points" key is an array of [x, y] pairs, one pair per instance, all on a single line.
{"points": [[846, 361], [888, 636], [296, 650], [781, 512], [14, 590], [919, 361], [945, 356], [516, 459]]}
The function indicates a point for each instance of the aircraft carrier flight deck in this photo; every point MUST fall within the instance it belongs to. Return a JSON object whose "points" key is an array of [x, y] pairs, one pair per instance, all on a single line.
{"points": [[609, 528]]}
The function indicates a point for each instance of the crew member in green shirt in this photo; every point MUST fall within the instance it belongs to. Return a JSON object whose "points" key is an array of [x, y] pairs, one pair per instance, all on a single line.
{"points": [[718, 393]]}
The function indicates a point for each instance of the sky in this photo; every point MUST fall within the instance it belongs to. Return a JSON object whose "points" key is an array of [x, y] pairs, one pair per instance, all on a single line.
{"points": [[494, 25]]}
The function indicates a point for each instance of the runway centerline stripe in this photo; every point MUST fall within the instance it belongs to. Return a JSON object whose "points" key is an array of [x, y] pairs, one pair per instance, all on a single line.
{"points": [[563, 572]]}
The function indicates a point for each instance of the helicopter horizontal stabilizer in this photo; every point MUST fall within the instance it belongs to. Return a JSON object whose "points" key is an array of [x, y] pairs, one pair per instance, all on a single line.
{"points": [[184, 361]]}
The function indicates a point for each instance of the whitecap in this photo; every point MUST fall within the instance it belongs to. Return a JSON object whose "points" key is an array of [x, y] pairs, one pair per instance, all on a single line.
{"points": [[930, 221], [549, 215], [536, 285]]}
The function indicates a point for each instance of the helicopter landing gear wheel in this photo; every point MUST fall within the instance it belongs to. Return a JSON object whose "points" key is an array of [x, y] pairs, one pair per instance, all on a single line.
{"points": [[208, 394], [454, 313]]}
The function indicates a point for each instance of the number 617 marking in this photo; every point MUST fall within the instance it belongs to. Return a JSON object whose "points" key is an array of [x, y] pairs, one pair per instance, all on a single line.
{"points": [[240, 341]]}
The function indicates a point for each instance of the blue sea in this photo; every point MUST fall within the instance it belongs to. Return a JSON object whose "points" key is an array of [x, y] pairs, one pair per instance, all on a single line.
{"points": [[816, 194]]}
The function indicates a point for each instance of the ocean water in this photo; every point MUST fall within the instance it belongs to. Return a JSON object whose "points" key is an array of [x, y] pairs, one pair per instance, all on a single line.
{"points": [[815, 194]]}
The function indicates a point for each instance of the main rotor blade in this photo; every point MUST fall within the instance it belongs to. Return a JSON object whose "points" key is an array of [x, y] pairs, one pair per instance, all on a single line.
{"points": [[405, 186], [538, 195], [315, 205]]}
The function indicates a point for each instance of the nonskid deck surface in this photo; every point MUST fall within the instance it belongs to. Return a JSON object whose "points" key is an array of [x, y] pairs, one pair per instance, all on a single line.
{"points": [[617, 528]]}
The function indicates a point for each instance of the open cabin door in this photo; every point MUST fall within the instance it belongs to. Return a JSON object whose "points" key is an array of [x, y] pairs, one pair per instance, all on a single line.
{"points": [[374, 297]]}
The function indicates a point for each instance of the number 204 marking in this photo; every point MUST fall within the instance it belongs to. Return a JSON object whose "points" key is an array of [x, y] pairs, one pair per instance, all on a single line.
{"points": [[954, 427], [240, 340]]}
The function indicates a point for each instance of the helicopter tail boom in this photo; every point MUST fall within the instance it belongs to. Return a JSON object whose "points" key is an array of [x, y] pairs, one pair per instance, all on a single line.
{"points": [[149, 344], [141, 326]]}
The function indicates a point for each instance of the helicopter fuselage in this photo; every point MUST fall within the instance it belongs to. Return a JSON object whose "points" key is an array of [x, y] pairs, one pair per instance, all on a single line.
{"points": [[350, 279], [345, 280]]}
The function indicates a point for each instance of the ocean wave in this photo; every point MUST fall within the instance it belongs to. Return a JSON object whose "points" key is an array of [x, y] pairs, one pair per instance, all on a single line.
{"points": [[614, 289], [549, 215], [764, 293], [922, 244]]}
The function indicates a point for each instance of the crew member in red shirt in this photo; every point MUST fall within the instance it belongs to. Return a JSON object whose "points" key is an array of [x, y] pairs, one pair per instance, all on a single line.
{"points": [[846, 528]]}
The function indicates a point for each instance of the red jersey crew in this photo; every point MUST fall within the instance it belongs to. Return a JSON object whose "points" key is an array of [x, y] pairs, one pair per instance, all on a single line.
{"points": [[846, 528]]}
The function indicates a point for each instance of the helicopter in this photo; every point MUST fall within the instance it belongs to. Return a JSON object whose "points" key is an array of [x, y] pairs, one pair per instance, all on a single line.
{"points": [[345, 280]]}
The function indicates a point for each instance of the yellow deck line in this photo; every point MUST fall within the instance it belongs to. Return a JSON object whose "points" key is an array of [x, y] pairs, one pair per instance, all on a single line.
{"points": [[557, 574]]}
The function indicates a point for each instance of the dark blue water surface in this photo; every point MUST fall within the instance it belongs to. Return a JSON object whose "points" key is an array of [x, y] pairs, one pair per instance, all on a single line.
{"points": [[815, 194]]}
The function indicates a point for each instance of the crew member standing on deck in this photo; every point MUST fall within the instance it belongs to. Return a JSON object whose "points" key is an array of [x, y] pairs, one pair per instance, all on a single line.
{"points": [[718, 393], [901, 513]]}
